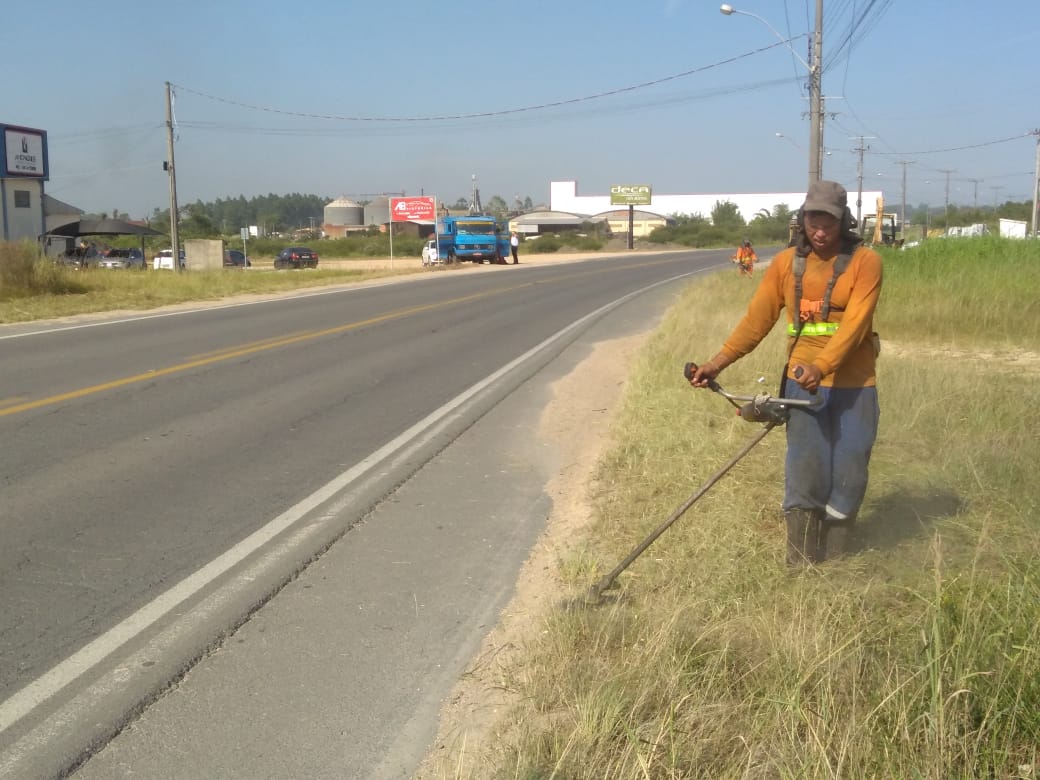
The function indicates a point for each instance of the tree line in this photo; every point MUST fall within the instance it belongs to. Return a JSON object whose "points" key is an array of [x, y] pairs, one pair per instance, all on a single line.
{"points": [[275, 213], [296, 211]]}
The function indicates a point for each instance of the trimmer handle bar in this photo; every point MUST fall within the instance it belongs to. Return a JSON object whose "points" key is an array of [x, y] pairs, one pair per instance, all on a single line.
{"points": [[755, 408]]}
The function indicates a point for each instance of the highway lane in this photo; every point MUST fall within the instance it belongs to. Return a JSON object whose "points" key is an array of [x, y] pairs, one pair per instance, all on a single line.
{"points": [[138, 451]]}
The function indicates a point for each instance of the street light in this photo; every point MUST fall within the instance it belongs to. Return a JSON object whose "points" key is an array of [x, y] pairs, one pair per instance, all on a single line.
{"points": [[791, 141], [815, 92]]}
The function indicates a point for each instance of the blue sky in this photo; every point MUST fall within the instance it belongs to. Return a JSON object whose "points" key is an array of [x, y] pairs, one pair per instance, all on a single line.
{"points": [[334, 98]]}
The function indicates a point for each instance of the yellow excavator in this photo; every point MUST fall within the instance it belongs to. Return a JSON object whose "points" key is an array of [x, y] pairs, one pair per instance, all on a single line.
{"points": [[881, 230]]}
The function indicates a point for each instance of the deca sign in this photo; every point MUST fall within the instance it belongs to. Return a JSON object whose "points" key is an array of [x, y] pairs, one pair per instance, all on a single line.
{"points": [[411, 209], [630, 195]]}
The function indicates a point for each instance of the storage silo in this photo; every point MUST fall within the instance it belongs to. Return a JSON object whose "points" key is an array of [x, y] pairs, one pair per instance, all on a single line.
{"points": [[378, 211], [343, 212]]}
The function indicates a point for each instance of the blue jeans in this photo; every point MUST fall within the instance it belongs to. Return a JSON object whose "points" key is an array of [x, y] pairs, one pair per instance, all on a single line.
{"points": [[828, 449]]}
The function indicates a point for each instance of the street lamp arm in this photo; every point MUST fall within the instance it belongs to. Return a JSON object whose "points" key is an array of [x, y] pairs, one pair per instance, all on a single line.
{"points": [[728, 10]]}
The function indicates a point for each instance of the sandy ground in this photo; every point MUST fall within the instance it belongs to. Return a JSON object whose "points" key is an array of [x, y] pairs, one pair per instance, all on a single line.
{"points": [[577, 421]]}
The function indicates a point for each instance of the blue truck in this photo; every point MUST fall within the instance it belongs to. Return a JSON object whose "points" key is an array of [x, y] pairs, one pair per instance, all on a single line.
{"points": [[472, 237]]}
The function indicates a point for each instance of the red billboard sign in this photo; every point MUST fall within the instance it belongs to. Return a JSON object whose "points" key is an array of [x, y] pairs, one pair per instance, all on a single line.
{"points": [[412, 209]]}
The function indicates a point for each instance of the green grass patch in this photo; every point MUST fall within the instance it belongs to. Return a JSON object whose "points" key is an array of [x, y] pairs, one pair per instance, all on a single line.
{"points": [[916, 656], [568, 242]]}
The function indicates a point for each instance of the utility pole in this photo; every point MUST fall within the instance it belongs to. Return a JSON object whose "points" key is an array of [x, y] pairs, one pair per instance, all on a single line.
{"points": [[975, 184], [1036, 184], [816, 101], [859, 168], [171, 168], [946, 207], [902, 213], [996, 195]]}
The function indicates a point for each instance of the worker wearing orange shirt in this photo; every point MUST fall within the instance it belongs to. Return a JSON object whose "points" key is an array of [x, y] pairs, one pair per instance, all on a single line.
{"points": [[832, 350], [745, 258]]}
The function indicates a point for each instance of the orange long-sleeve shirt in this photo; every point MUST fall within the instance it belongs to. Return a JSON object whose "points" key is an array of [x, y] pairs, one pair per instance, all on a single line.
{"points": [[846, 359]]}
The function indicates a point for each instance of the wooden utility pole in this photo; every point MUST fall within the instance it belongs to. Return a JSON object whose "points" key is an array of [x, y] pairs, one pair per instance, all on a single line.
{"points": [[859, 169], [975, 196], [902, 213], [996, 196], [172, 170], [946, 206], [816, 100], [1036, 184]]}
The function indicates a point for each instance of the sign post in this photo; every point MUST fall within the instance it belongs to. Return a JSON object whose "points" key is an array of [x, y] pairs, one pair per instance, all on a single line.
{"points": [[409, 210], [630, 195]]}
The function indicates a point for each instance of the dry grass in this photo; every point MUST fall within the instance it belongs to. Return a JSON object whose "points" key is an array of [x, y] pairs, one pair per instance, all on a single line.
{"points": [[916, 656], [33, 287]]}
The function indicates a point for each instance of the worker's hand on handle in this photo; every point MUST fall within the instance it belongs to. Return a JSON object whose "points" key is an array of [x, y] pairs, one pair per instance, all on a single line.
{"points": [[702, 375], [808, 376]]}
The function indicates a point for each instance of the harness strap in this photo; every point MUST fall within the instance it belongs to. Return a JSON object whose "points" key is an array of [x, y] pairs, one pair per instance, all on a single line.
{"points": [[796, 328], [841, 262]]}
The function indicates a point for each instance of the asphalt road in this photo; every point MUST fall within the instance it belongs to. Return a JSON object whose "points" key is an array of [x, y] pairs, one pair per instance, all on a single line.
{"points": [[165, 476]]}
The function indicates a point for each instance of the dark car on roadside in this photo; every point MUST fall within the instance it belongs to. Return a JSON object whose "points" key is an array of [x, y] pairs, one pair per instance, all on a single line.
{"points": [[235, 259], [296, 257]]}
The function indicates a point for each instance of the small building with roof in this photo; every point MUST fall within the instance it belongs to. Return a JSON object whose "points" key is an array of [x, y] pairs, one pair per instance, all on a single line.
{"points": [[547, 222]]}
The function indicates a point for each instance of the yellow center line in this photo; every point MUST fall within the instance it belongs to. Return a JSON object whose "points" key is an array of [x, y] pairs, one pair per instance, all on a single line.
{"points": [[250, 345], [209, 358], [8, 401], [244, 350]]}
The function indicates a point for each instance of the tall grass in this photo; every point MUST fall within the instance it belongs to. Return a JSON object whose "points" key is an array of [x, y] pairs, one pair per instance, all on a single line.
{"points": [[964, 292], [916, 656], [24, 273]]}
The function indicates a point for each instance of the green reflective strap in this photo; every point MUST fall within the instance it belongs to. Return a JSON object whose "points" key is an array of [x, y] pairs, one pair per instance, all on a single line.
{"points": [[813, 329]]}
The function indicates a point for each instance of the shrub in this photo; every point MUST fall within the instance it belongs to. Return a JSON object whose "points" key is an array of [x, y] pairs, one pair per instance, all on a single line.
{"points": [[25, 271]]}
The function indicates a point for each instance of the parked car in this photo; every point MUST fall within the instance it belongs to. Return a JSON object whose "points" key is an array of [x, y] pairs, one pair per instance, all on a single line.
{"points": [[165, 259], [72, 261], [296, 257], [429, 253], [122, 258], [235, 259]]}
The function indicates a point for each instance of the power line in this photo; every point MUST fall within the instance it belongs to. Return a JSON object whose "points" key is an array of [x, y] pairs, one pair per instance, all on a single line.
{"points": [[497, 113], [962, 148], [402, 128]]}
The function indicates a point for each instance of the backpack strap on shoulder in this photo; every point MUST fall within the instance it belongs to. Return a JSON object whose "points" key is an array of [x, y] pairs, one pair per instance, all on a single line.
{"points": [[798, 268], [841, 262]]}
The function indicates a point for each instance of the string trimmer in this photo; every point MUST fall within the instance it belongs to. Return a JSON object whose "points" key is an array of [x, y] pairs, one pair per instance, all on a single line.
{"points": [[759, 408]]}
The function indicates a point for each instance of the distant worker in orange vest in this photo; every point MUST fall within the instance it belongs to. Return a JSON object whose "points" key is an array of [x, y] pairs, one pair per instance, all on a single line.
{"points": [[745, 258]]}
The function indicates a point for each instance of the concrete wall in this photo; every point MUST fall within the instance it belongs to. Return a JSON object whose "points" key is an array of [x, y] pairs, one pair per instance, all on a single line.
{"points": [[202, 254], [21, 209]]}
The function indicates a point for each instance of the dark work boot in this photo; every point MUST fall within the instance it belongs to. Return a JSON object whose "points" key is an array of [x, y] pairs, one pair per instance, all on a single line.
{"points": [[834, 537], [803, 536]]}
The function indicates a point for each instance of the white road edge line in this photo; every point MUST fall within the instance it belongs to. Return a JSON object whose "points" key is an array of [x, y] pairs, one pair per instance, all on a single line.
{"points": [[64, 673]]}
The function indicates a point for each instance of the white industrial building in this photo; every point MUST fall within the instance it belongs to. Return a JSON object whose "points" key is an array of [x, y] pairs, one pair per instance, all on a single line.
{"points": [[564, 197]]}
